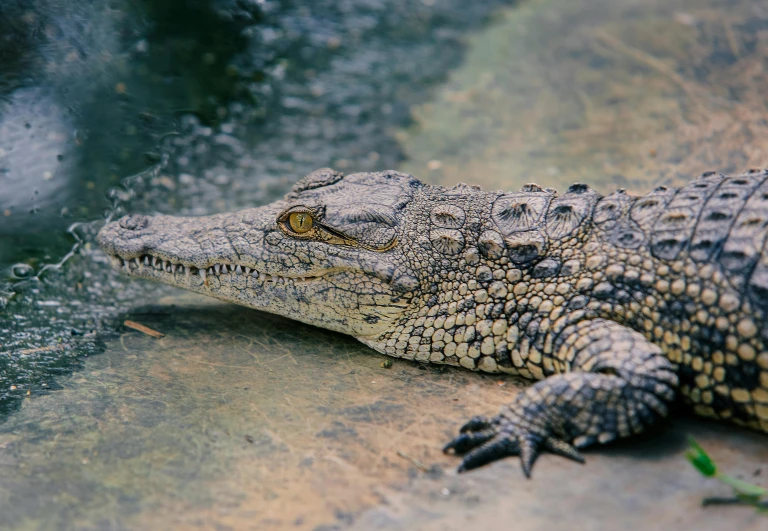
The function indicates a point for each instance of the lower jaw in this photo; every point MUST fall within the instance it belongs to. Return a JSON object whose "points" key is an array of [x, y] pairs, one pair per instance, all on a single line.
{"points": [[272, 297], [283, 297]]}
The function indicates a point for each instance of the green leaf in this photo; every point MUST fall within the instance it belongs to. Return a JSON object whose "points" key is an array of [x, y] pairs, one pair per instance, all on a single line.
{"points": [[700, 460]]}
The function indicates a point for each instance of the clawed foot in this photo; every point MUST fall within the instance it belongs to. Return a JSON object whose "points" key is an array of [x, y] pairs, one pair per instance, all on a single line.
{"points": [[482, 441]]}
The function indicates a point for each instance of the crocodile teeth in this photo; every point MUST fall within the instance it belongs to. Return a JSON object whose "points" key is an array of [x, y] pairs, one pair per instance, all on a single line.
{"points": [[166, 266]]}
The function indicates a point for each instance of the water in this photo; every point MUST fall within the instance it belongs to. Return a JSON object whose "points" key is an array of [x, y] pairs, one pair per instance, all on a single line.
{"points": [[242, 420]]}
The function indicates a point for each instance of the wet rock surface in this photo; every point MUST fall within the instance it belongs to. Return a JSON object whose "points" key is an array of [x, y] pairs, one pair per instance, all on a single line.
{"points": [[236, 419]]}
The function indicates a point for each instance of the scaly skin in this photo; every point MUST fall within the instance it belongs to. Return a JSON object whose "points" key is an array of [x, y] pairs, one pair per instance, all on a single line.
{"points": [[618, 305]]}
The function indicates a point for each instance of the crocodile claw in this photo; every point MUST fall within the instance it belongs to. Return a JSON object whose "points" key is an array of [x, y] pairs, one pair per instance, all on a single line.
{"points": [[476, 424], [483, 441]]}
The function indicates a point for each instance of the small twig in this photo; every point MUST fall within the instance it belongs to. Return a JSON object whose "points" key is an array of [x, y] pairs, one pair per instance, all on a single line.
{"points": [[418, 464], [732, 501], [39, 349], [145, 329]]}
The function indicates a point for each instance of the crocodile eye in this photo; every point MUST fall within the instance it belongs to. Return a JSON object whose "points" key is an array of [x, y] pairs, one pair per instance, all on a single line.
{"points": [[300, 222]]}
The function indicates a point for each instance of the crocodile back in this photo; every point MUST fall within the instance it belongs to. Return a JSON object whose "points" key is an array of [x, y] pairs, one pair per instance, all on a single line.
{"points": [[706, 297], [715, 220]]}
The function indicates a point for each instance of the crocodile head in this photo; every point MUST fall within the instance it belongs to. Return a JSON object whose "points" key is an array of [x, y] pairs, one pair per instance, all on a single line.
{"points": [[328, 254]]}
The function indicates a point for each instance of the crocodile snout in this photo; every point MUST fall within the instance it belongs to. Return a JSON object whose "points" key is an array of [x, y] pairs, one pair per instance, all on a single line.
{"points": [[125, 236]]}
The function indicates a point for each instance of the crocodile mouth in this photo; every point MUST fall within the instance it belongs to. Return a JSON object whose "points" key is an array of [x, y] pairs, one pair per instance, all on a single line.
{"points": [[148, 265]]}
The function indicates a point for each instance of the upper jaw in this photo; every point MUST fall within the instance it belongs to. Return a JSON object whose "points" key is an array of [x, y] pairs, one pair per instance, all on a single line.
{"points": [[176, 250], [192, 242]]}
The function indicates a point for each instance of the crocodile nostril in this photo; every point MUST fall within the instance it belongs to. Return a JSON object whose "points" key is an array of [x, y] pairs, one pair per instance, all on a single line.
{"points": [[134, 222]]}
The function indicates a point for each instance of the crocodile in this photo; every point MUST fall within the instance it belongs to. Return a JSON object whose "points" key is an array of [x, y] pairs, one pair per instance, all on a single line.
{"points": [[620, 307]]}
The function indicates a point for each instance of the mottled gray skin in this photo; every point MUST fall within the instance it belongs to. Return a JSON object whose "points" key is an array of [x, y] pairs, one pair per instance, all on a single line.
{"points": [[617, 305]]}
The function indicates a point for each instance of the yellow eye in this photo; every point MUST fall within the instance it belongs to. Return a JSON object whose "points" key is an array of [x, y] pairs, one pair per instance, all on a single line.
{"points": [[300, 222]]}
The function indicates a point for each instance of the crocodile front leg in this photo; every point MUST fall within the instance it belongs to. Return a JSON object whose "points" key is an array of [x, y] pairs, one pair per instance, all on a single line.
{"points": [[618, 385]]}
